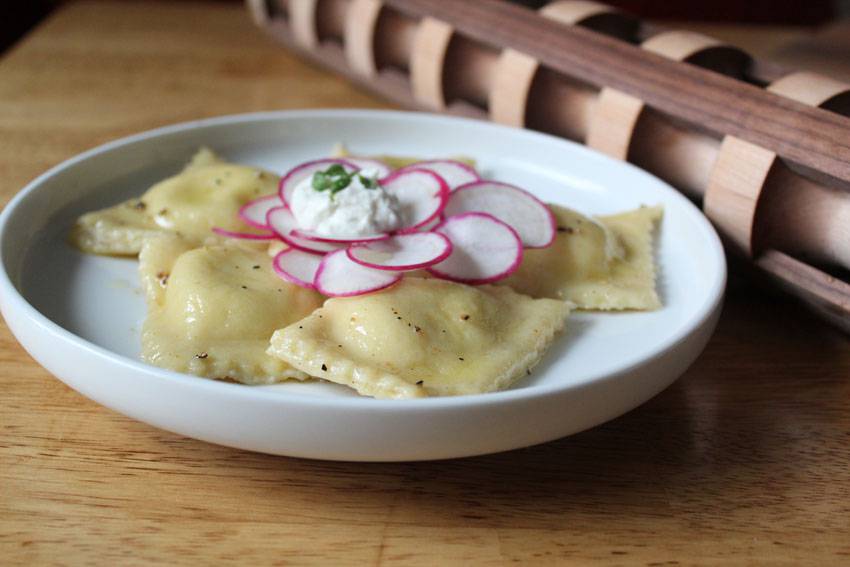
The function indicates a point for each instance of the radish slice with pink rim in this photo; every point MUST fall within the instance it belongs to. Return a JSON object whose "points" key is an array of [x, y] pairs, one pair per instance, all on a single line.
{"points": [[254, 212], [430, 225], [339, 276], [524, 212], [369, 165], [484, 249], [312, 246], [315, 237], [297, 267], [422, 195], [243, 235], [402, 252], [301, 172], [282, 222], [454, 173]]}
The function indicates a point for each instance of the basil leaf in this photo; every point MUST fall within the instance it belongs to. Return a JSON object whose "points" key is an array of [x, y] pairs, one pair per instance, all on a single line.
{"points": [[320, 181], [368, 182], [336, 170]]}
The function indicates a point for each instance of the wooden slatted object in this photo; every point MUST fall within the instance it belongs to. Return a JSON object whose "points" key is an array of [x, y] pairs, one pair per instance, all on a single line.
{"points": [[766, 151]]}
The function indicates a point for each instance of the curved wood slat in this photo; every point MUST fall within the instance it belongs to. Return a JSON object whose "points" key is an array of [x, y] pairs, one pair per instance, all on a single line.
{"points": [[360, 27], [745, 174], [427, 62], [617, 114]]}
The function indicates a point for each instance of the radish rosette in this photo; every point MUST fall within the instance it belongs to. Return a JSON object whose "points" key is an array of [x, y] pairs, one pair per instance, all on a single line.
{"points": [[454, 173], [422, 195], [301, 172], [484, 249], [403, 252], [519, 209], [456, 225], [379, 168], [253, 213], [282, 222], [315, 237], [339, 276], [297, 267]]}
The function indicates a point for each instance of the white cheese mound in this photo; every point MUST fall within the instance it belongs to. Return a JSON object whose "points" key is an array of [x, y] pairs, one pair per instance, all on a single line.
{"points": [[354, 211]]}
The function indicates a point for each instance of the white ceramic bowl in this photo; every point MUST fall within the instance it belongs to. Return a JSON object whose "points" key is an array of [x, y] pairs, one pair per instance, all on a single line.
{"points": [[79, 316]]}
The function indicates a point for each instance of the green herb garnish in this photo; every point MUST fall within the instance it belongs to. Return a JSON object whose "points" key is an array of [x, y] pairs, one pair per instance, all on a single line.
{"points": [[335, 179], [320, 181], [368, 182], [336, 170]]}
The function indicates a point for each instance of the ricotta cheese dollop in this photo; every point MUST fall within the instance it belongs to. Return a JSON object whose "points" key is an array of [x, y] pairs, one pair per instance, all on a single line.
{"points": [[359, 209]]}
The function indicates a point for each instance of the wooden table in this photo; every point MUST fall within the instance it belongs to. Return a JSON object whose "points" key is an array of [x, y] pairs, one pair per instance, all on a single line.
{"points": [[745, 459]]}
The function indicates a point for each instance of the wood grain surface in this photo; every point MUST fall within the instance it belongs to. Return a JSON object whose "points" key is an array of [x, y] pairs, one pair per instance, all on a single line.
{"points": [[746, 459]]}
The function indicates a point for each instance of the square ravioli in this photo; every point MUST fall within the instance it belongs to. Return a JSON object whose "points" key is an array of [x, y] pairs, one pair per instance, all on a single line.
{"points": [[212, 310], [604, 264], [207, 193], [423, 337]]}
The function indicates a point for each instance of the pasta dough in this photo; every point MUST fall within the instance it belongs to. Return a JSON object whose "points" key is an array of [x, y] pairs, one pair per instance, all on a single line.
{"points": [[207, 193], [212, 310], [423, 337], [606, 265], [393, 161]]}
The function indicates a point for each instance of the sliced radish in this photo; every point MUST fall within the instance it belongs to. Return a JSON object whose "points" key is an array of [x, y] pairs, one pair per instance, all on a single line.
{"points": [[524, 212], [370, 166], [402, 252], [297, 267], [422, 195], [254, 212], [312, 246], [243, 235], [454, 173], [430, 225], [316, 237], [484, 249], [282, 222], [339, 276], [301, 172]]}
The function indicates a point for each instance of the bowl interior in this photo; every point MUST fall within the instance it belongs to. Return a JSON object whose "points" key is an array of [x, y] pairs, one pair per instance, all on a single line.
{"points": [[99, 299]]}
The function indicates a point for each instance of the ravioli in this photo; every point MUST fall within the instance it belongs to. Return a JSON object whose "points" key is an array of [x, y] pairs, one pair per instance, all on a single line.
{"points": [[207, 193], [212, 310], [423, 337], [605, 265], [393, 161], [157, 256]]}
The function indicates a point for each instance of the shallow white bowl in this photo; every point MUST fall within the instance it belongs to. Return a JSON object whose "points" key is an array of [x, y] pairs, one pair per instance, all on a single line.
{"points": [[79, 316]]}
